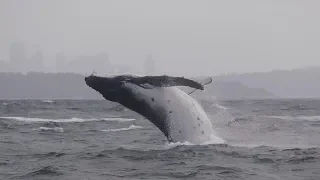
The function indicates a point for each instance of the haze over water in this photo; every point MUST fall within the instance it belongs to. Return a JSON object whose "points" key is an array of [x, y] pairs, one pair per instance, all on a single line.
{"points": [[270, 120], [204, 37]]}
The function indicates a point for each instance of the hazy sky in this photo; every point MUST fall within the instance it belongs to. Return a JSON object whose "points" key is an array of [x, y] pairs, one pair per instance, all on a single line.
{"points": [[185, 37]]}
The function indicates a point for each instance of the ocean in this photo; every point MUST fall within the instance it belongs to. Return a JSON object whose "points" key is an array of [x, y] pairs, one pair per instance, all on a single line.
{"points": [[99, 140]]}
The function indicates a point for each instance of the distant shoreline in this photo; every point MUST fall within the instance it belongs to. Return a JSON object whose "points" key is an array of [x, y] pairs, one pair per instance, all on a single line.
{"points": [[277, 84]]}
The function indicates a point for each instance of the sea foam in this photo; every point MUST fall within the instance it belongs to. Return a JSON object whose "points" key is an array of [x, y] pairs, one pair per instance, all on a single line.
{"points": [[122, 129], [28, 119], [306, 118]]}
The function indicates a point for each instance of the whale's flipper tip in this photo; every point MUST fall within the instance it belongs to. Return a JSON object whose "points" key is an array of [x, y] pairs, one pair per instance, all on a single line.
{"points": [[207, 81], [203, 82]]}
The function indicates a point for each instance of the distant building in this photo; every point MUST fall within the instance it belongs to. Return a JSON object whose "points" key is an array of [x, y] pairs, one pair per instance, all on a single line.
{"points": [[36, 61], [87, 64], [149, 65], [102, 64], [122, 69], [17, 57], [61, 64]]}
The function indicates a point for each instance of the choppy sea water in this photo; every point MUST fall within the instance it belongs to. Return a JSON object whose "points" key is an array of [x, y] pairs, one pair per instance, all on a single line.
{"points": [[89, 140]]}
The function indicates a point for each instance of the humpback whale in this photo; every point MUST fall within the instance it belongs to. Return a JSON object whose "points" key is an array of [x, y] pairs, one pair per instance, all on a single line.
{"points": [[178, 116]]}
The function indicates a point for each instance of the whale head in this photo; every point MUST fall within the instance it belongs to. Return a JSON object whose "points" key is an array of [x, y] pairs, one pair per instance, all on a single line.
{"points": [[108, 87]]}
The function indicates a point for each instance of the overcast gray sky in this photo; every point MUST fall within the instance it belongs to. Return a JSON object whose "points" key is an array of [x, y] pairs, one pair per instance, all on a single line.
{"points": [[199, 37]]}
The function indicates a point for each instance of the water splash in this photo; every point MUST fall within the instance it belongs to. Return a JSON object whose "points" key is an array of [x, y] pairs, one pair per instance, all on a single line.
{"points": [[122, 129]]}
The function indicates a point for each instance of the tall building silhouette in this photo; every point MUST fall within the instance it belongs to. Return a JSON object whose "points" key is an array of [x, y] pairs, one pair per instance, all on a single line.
{"points": [[17, 57], [61, 64], [102, 63], [36, 62]]}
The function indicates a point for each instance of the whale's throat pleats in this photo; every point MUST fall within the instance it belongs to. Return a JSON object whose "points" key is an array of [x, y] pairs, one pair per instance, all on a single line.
{"points": [[147, 107]]}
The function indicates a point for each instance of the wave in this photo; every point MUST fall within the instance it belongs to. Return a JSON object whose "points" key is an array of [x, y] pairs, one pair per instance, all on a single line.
{"points": [[213, 140], [28, 119], [55, 129], [170, 145], [48, 171], [296, 107], [306, 118], [220, 106], [48, 101], [122, 129], [8, 103], [270, 145]]}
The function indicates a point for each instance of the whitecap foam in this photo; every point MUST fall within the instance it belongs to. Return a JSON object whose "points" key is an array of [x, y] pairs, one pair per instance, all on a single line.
{"points": [[213, 140], [47, 101], [170, 145], [216, 104], [273, 145], [54, 129], [28, 119], [122, 129], [220, 106], [306, 118]]}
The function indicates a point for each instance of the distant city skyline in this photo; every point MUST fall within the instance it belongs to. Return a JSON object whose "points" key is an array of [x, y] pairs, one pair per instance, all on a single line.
{"points": [[21, 61], [84, 64], [185, 37]]}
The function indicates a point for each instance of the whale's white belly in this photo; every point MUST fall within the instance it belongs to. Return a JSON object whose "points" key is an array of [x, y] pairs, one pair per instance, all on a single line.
{"points": [[186, 119]]}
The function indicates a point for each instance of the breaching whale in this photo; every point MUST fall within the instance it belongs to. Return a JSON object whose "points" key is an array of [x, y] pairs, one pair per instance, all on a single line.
{"points": [[157, 98]]}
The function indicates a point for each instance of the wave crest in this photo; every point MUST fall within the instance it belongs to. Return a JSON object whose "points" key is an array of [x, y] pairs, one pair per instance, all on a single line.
{"points": [[48, 101], [306, 118], [122, 129], [213, 140], [28, 119]]}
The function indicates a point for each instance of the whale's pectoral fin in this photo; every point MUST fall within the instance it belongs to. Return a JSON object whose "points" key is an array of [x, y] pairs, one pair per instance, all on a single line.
{"points": [[165, 81], [204, 82]]}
